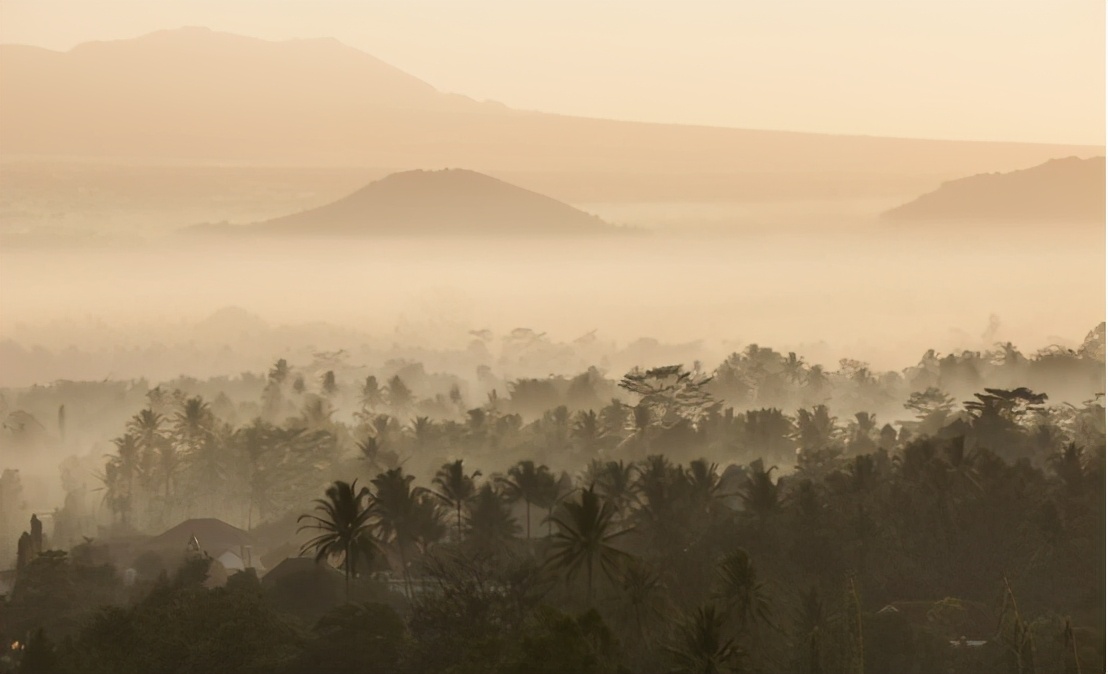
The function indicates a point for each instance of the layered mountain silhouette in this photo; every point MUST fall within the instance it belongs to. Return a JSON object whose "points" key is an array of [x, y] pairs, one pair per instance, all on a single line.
{"points": [[197, 96], [1061, 190], [450, 201]]}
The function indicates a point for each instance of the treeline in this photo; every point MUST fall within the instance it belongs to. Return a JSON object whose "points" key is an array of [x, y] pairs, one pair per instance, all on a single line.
{"points": [[181, 456], [67, 417], [928, 557], [665, 531]]}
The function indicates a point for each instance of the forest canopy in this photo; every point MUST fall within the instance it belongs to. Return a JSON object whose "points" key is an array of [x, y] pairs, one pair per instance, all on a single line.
{"points": [[765, 515]]}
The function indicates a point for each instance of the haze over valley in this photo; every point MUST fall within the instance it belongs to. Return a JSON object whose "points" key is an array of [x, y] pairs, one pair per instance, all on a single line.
{"points": [[738, 337]]}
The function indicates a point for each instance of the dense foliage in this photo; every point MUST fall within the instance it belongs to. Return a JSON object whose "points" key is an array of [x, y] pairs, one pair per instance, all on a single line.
{"points": [[675, 520]]}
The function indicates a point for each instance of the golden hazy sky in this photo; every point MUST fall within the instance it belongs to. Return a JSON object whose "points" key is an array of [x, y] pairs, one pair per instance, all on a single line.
{"points": [[1024, 70]]}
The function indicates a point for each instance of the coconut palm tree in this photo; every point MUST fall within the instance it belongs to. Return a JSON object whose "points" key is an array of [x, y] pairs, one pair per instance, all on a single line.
{"points": [[423, 430], [815, 429], [615, 480], [704, 483], [146, 426], [584, 539], [344, 521], [489, 521], [128, 463], [394, 505], [192, 422], [761, 495], [528, 483], [740, 589], [400, 396], [455, 488], [642, 594], [588, 432], [115, 493], [793, 368], [194, 430], [701, 647], [427, 526]]}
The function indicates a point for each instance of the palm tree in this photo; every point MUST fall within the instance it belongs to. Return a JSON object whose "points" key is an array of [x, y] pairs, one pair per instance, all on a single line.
{"points": [[400, 396], [615, 480], [489, 521], [528, 483], [809, 625], [815, 429], [584, 536], [193, 420], [394, 504], [1068, 466], [193, 430], [740, 589], [423, 432], [704, 483], [642, 591], [345, 523], [256, 456], [427, 527], [455, 488], [700, 647], [588, 432], [146, 426], [761, 495], [660, 488], [317, 412], [372, 451], [127, 464], [793, 367]]}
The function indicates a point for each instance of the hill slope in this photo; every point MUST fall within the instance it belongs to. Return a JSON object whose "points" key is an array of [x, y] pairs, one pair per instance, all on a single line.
{"points": [[195, 96], [1061, 190], [451, 201]]}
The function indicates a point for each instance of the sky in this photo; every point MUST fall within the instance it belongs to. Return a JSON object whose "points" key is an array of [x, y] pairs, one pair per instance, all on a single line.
{"points": [[1014, 70]]}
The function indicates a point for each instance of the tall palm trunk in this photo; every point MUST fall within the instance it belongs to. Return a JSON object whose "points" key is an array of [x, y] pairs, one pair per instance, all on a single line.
{"points": [[346, 567], [404, 570], [588, 589]]}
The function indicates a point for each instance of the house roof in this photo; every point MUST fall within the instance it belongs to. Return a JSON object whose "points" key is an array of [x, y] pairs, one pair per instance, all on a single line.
{"points": [[214, 536], [965, 619], [278, 554], [295, 565]]}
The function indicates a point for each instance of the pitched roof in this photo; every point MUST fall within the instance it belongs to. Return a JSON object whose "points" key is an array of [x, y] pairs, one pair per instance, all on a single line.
{"points": [[214, 536], [969, 619], [296, 565]]}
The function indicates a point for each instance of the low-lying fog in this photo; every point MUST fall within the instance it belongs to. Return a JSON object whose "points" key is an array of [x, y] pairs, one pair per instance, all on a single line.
{"points": [[873, 292]]}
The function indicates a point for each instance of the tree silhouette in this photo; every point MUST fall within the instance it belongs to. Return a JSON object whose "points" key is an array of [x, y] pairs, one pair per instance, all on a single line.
{"points": [[489, 521], [398, 520], [761, 495], [700, 646], [455, 488], [344, 519], [741, 591], [583, 539], [528, 483]]}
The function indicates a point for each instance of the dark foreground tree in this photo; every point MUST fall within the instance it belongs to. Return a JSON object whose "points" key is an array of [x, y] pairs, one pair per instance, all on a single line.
{"points": [[455, 488], [344, 521], [701, 647], [584, 539]]}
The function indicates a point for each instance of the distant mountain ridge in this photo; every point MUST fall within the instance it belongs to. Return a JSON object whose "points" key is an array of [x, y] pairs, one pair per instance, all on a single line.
{"points": [[449, 201], [1060, 190], [199, 96]]}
